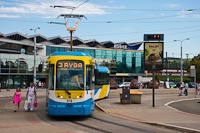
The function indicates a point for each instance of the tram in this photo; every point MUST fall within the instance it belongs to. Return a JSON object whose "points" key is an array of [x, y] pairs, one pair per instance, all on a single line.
{"points": [[102, 84], [65, 95], [71, 84]]}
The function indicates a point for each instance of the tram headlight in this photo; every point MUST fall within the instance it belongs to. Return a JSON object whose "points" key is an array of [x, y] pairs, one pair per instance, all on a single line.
{"points": [[61, 96], [77, 97]]}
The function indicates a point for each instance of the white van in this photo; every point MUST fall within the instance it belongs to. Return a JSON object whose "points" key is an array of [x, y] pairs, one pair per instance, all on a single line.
{"points": [[125, 84]]}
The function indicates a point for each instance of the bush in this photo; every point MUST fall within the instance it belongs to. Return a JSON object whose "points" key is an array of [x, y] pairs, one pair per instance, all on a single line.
{"points": [[134, 84]]}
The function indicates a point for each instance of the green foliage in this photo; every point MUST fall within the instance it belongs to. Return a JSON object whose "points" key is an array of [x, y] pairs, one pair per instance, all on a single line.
{"points": [[157, 77], [172, 78]]}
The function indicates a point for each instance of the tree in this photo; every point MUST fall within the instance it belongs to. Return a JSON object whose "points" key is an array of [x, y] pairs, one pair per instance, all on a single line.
{"points": [[196, 62]]}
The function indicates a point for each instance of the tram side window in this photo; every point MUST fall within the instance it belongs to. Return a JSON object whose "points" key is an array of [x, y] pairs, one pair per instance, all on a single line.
{"points": [[51, 77], [88, 77], [102, 79]]}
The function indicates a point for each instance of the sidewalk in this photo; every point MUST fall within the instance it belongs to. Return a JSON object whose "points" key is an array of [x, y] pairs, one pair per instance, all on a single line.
{"points": [[24, 122], [158, 115]]}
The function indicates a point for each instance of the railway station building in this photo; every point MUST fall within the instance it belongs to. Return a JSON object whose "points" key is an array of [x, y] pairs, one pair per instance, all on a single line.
{"points": [[123, 59]]}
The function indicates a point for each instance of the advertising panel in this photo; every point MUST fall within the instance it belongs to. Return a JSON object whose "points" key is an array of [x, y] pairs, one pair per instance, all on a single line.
{"points": [[153, 52]]}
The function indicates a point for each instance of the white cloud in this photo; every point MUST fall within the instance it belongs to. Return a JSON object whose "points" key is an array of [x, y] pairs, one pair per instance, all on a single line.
{"points": [[111, 1], [43, 9], [186, 14], [183, 14], [12, 10], [172, 5], [151, 15], [9, 16], [162, 14], [196, 15]]}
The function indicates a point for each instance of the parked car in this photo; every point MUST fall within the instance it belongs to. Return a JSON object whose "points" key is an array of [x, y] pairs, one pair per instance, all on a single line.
{"points": [[172, 84], [191, 84], [125, 84]]}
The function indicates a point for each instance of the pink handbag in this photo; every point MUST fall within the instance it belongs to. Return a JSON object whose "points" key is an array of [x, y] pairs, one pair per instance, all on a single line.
{"points": [[35, 104]]}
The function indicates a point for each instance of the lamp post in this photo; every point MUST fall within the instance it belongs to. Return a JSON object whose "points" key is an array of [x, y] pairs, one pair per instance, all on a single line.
{"points": [[181, 76], [34, 76]]}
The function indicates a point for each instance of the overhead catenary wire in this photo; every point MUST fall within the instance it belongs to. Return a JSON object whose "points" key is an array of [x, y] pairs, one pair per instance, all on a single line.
{"points": [[120, 21], [111, 34], [117, 21], [143, 31], [111, 8]]}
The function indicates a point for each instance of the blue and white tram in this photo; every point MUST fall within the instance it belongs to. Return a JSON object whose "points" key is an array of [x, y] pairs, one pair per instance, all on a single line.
{"points": [[65, 96]]}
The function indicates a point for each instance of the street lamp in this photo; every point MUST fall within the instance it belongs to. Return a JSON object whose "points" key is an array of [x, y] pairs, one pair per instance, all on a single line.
{"points": [[34, 76], [181, 76]]}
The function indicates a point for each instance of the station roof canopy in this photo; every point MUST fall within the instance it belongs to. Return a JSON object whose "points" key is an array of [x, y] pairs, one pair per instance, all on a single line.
{"points": [[16, 40]]}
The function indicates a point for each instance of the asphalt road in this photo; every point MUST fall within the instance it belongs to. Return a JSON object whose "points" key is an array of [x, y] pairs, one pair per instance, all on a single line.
{"points": [[187, 106]]}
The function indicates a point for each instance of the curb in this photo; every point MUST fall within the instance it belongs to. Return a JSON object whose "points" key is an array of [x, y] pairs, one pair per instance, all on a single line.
{"points": [[168, 105], [179, 128], [99, 107]]}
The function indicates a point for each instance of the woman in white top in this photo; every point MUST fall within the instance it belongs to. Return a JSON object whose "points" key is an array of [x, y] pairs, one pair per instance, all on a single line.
{"points": [[31, 96]]}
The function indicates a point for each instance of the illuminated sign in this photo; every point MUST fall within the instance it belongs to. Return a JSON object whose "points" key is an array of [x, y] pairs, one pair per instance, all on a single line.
{"points": [[70, 64], [153, 37]]}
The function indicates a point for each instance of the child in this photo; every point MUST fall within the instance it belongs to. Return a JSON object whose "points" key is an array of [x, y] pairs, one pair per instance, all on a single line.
{"points": [[17, 99]]}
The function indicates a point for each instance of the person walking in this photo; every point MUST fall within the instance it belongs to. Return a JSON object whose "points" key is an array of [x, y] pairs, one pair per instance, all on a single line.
{"points": [[31, 96], [181, 88], [198, 88], [186, 89], [17, 99], [24, 85]]}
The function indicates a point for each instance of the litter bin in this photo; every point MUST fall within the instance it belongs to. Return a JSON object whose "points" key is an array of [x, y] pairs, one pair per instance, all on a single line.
{"points": [[125, 96]]}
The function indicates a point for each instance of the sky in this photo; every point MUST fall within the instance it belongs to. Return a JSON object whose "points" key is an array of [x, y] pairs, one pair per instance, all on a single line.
{"points": [[109, 20]]}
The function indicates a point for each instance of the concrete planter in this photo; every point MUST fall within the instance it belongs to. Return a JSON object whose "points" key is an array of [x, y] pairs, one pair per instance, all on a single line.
{"points": [[135, 97]]}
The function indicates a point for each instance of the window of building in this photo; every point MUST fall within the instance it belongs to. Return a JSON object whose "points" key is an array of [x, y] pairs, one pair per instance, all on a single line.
{"points": [[114, 54], [109, 54], [103, 54], [98, 54], [138, 62]]}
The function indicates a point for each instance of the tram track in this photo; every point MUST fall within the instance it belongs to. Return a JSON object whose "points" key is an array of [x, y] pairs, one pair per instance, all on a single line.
{"points": [[98, 122], [122, 125], [115, 124], [91, 127]]}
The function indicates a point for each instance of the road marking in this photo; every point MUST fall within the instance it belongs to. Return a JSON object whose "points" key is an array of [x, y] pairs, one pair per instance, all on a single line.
{"points": [[190, 114]]}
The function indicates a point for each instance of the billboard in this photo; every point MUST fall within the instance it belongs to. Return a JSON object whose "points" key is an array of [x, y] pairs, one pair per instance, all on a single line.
{"points": [[153, 55]]}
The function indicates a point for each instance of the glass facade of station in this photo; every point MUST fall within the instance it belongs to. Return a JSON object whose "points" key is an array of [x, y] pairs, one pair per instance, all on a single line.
{"points": [[17, 68], [117, 60]]}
